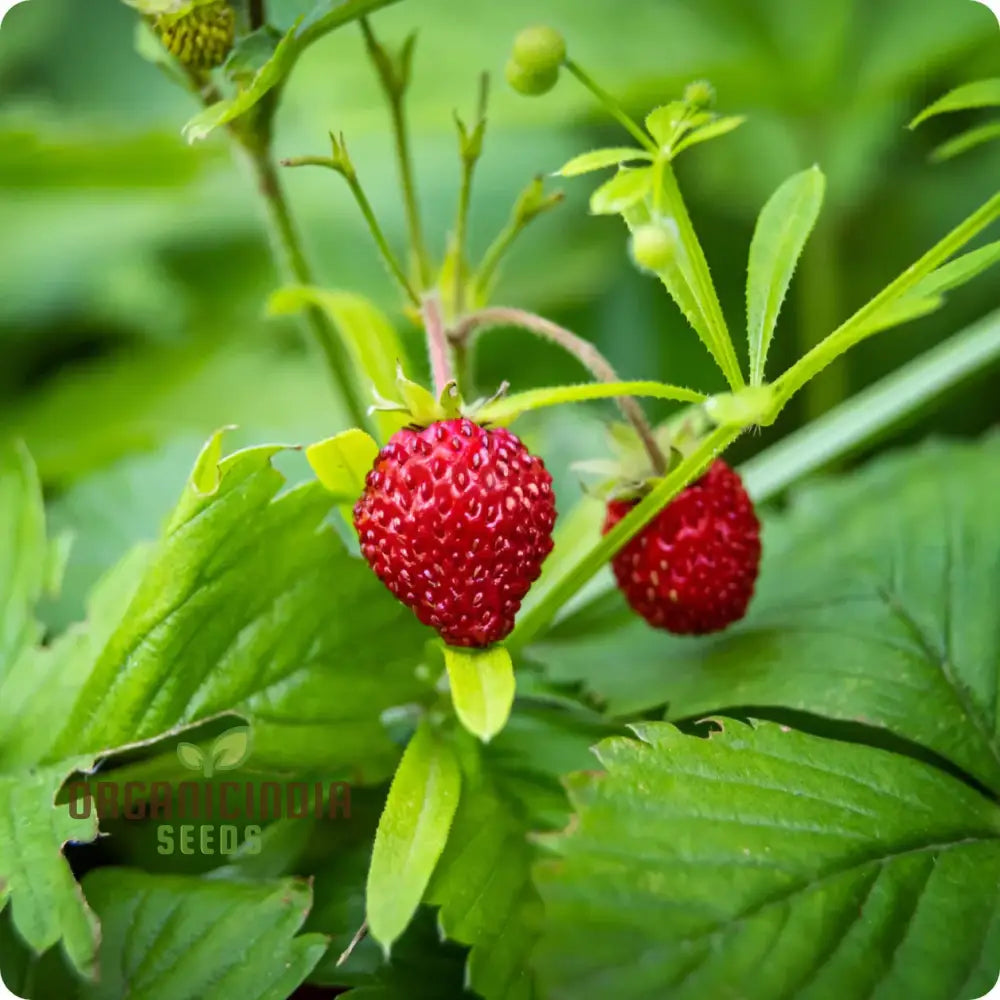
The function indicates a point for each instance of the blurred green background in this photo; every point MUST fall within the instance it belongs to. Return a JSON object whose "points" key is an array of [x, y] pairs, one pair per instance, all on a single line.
{"points": [[135, 268]]}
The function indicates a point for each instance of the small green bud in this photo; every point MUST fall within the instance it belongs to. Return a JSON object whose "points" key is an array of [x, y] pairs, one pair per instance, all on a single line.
{"points": [[535, 60], [203, 37], [528, 83], [700, 94], [539, 50], [653, 247]]}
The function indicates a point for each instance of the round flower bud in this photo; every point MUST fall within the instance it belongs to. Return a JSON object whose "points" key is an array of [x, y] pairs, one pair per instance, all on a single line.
{"points": [[539, 51], [203, 37], [528, 83], [653, 247], [700, 94]]}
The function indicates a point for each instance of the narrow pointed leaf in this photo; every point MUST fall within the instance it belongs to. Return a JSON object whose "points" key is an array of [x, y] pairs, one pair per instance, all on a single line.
{"points": [[412, 833], [509, 408], [482, 688], [958, 271], [598, 159], [662, 122], [979, 94], [626, 188], [965, 141], [782, 229], [713, 130]]}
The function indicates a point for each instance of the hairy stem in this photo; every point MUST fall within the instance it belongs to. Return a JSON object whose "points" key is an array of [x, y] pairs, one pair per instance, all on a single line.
{"points": [[395, 268], [438, 347], [582, 350], [611, 105], [288, 250], [394, 92]]}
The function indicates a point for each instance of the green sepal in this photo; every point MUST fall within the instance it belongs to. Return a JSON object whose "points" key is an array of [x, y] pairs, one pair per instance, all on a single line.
{"points": [[342, 462]]}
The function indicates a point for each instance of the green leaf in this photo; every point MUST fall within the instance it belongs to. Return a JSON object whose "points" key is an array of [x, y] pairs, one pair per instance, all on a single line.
{"points": [[900, 311], [482, 688], [250, 604], [326, 16], [48, 907], [23, 552], [713, 130], [627, 187], [509, 408], [411, 834], [662, 122], [190, 938], [964, 141], [979, 94], [870, 414], [598, 159], [958, 271], [372, 340], [342, 462], [783, 227], [205, 477], [776, 864], [482, 881]]}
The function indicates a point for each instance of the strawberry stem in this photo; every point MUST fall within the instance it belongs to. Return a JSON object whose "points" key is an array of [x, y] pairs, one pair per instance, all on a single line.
{"points": [[438, 347], [588, 355]]}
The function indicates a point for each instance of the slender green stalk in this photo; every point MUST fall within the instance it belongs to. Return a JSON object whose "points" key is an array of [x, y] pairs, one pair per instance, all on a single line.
{"points": [[818, 294], [395, 89], [585, 352], [496, 251], [612, 106], [542, 613], [860, 326], [288, 249], [868, 415], [471, 149], [724, 351], [395, 268]]}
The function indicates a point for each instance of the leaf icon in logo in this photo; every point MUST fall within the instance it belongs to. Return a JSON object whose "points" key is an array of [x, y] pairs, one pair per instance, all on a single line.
{"points": [[231, 749], [190, 756]]}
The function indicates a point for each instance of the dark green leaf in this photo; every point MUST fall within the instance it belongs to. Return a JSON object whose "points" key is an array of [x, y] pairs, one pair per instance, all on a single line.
{"points": [[762, 862], [965, 141], [292, 632], [189, 938]]}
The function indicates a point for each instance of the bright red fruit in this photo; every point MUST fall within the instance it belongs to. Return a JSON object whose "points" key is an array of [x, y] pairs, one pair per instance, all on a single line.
{"points": [[692, 569], [456, 520]]}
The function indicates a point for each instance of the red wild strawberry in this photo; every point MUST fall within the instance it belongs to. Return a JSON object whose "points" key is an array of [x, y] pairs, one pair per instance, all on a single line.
{"points": [[456, 520], [692, 569]]}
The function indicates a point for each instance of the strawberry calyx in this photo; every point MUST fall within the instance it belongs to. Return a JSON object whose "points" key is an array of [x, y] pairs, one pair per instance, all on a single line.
{"points": [[424, 408]]}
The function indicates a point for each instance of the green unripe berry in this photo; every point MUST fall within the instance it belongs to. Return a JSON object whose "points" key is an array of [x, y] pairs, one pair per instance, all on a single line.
{"points": [[700, 94], [539, 50], [653, 247], [526, 82], [203, 37]]}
